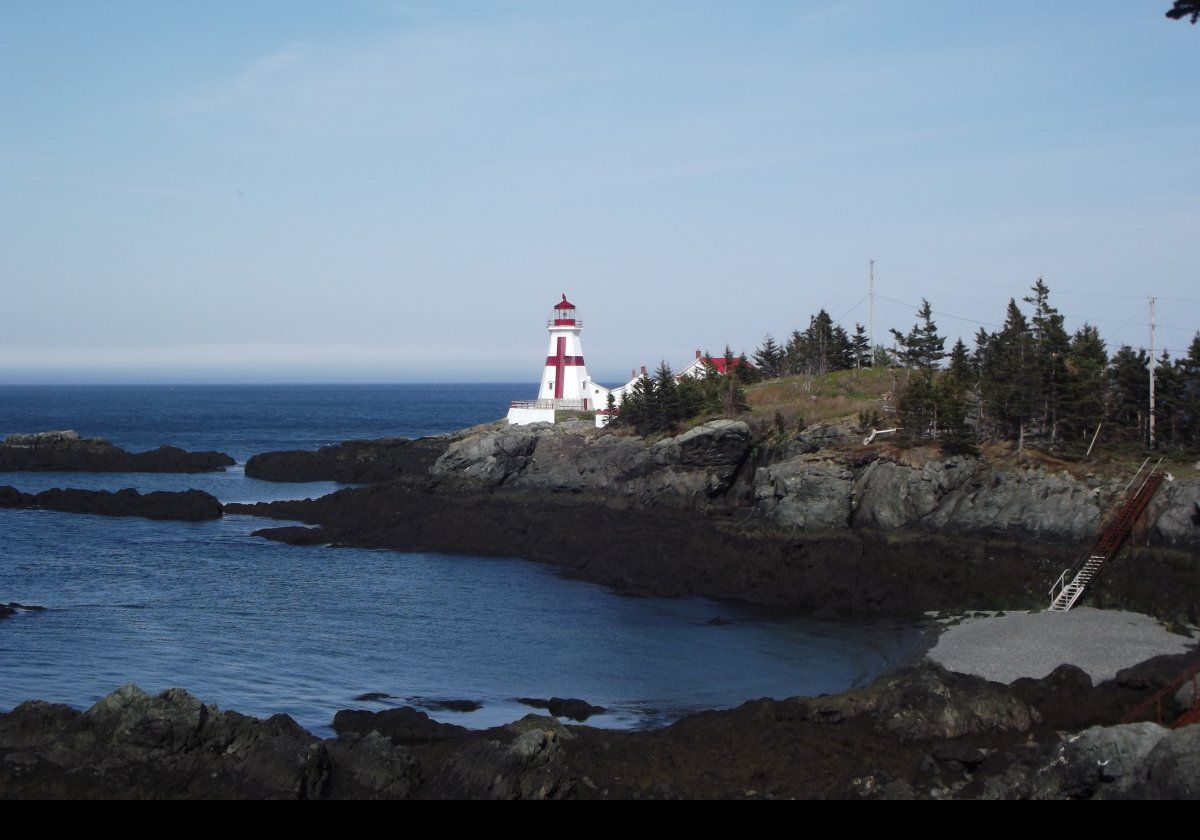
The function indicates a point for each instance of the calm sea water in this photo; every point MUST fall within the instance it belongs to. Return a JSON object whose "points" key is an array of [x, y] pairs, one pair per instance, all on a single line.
{"points": [[262, 627]]}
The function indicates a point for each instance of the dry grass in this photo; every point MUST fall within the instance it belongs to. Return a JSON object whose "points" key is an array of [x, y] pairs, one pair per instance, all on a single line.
{"points": [[804, 400]]}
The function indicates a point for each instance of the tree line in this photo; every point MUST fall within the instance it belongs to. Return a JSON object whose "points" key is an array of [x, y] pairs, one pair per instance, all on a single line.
{"points": [[1033, 381]]}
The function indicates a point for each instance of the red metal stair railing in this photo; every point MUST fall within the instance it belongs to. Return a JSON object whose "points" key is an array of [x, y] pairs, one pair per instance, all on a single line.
{"points": [[1112, 536], [1155, 701]]}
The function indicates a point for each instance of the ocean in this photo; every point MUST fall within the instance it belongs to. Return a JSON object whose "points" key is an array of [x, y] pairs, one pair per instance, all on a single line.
{"points": [[263, 627]]}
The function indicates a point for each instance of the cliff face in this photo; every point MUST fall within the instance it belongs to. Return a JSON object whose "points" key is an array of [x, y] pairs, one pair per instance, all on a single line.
{"points": [[807, 486]]}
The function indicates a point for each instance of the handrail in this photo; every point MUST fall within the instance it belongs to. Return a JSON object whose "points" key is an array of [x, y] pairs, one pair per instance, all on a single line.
{"points": [[1059, 583], [1155, 700]]}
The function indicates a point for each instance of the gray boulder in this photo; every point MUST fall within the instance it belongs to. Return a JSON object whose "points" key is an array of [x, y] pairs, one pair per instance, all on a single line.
{"points": [[892, 495], [805, 493], [719, 443], [490, 457], [1032, 501]]}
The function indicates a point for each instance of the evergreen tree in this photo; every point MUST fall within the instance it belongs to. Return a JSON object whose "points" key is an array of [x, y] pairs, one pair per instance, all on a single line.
{"points": [[841, 355], [1004, 392], [1085, 387], [744, 372], [1189, 410], [917, 406], [769, 358], [1046, 366], [962, 367], [1169, 393], [668, 408], [860, 347], [1129, 393], [922, 348], [795, 354]]}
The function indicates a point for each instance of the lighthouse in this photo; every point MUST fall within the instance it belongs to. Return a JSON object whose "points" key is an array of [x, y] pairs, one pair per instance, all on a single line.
{"points": [[565, 383]]}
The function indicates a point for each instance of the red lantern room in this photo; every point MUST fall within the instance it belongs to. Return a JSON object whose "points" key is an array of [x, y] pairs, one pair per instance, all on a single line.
{"points": [[563, 314]]}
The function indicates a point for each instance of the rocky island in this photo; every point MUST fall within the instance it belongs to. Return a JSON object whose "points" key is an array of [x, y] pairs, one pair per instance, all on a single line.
{"points": [[67, 452], [184, 505]]}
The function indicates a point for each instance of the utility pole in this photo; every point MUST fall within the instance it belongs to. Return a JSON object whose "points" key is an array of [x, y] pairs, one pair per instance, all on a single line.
{"points": [[1152, 372], [871, 318]]}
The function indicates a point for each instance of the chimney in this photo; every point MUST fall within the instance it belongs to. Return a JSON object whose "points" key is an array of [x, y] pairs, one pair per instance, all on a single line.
{"points": [[632, 374], [643, 370], [697, 354]]}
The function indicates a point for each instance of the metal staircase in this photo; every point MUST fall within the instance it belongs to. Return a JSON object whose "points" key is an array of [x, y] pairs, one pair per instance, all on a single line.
{"points": [[1155, 702], [1113, 533]]}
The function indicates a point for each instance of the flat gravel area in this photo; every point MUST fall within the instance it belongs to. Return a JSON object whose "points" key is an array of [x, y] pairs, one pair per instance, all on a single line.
{"points": [[1007, 647]]}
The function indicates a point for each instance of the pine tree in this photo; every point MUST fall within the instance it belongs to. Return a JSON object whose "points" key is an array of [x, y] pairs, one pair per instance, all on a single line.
{"points": [[1085, 387], [860, 346], [1003, 371], [795, 354], [1129, 393], [769, 358], [962, 367], [667, 406], [1189, 367], [917, 406], [1169, 393], [841, 354], [922, 348], [1046, 365]]}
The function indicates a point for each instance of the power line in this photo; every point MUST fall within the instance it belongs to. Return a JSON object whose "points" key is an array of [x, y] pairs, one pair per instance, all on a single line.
{"points": [[1057, 291]]}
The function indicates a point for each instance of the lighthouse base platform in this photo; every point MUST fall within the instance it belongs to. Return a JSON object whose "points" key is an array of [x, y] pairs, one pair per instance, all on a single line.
{"points": [[524, 412]]}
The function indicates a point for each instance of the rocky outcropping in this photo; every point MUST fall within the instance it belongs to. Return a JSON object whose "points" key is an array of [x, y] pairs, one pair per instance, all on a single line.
{"points": [[186, 505], [689, 469], [917, 733], [67, 452], [351, 462]]}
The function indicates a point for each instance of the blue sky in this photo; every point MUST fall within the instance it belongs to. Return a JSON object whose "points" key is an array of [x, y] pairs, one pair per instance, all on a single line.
{"points": [[383, 191]]}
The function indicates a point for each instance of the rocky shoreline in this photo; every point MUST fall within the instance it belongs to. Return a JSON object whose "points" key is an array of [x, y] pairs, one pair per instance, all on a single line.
{"points": [[920, 732], [817, 522], [68, 452]]}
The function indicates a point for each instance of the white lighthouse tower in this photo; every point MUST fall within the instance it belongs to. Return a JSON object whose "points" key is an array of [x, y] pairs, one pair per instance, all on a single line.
{"points": [[564, 378]]}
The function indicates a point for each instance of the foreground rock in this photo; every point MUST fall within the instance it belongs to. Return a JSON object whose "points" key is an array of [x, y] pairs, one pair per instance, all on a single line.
{"points": [[352, 462], [186, 505], [568, 707], [67, 452], [918, 733]]}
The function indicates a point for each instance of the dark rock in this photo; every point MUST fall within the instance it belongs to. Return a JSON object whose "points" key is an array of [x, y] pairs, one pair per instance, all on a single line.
{"points": [[371, 696], [187, 505], [959, 756], [67, 452], [371, 767], [12, 608], [449, 705], [568, 707], [404, 726], [532, 766], [351, 462]]}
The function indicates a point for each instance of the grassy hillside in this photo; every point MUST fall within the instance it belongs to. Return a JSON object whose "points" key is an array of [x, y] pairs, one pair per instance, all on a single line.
{"points": [[804, 400]]}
